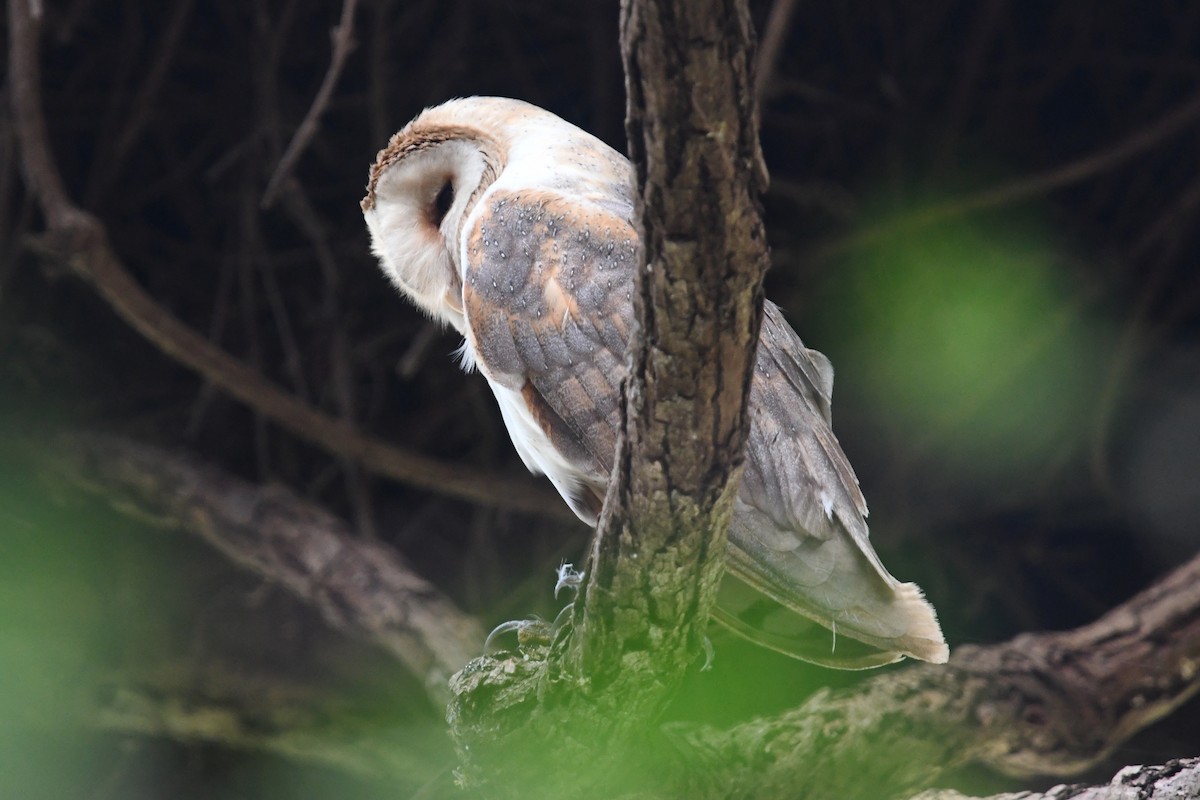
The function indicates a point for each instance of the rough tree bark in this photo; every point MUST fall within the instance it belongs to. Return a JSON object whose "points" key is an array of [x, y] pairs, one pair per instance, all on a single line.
{"points": [[1175, 780], [658, 553], [362, 588], [693, 139], [1041, 704]]}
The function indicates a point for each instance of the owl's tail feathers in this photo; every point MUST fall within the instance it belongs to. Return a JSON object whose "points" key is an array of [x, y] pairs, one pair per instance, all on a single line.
{"points": [[779, 585], [924, 639], [798, 632]]}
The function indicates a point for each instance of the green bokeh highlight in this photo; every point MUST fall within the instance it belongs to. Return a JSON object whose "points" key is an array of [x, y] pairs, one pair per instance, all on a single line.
{"points": [[970, 343]]}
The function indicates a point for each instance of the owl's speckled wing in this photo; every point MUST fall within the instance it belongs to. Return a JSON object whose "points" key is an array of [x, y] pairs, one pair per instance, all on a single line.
{"points": [[799, 526], [548, 309], [547, 299]]}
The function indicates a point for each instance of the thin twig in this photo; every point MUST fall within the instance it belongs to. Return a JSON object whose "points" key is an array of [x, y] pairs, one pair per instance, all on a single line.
{"points": [[144, 104], [250, 248], [778, 24], [341, 377], [417, 351], [1135, 338], [138, 114], [343, 43], [216, 330], [975, 50], [1022, 188], [25, 78]]}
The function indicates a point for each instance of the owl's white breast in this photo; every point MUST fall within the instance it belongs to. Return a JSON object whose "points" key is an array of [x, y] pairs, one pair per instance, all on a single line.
{"points": [[546, 154], [537, 452]]}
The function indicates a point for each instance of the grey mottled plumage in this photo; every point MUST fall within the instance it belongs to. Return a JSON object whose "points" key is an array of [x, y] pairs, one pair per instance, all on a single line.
{"points": [[517, 229]]}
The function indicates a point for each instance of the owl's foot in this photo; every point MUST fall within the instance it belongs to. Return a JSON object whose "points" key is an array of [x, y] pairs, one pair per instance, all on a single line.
{"points": [[568, 578], [536, 630]]}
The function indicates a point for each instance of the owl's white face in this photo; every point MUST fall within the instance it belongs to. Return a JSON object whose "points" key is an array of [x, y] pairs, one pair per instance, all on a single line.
{"points": [[426, 184], [419, 204]]}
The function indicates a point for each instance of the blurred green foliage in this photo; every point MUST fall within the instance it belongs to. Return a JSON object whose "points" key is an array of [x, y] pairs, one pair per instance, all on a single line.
{"points": [[968, 344], [52, 629], [105, 624]]}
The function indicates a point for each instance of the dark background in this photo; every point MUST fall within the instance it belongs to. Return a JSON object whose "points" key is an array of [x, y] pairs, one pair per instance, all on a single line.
{"points": [[1018, 375]]}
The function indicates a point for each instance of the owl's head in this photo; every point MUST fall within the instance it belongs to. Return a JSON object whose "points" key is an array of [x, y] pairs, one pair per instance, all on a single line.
{"points": [[425, 185], [421, 189]]}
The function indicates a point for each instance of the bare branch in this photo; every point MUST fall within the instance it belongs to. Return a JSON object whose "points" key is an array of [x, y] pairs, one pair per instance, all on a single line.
{"points": [[25, 77], [141, 110], [1019, 189], [778, 25], [360, 587], [1046, 703], [343, 43], [341, 376], [240, 713]]}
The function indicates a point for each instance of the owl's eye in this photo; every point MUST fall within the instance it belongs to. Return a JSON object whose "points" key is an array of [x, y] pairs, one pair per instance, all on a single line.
{"points": [[442, 203]]}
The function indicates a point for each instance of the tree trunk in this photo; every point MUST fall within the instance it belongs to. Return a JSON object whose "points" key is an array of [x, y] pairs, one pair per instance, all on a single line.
{"points": [[587, 713]]}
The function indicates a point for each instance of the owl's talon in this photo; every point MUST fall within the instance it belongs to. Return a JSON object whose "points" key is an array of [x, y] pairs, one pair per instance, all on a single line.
{"points": [[528, 630], [568, 578], [560, 619], [500, 630]]}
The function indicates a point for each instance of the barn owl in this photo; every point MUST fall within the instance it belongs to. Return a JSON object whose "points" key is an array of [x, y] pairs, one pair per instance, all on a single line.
{"points": [[517, 229]]}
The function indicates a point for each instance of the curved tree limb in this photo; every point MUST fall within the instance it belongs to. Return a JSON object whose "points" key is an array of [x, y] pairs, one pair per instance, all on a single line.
{"points": [[25, 78], [275, 717], [1041, 704], [79, 238], [362, 588], [779, 23]]}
